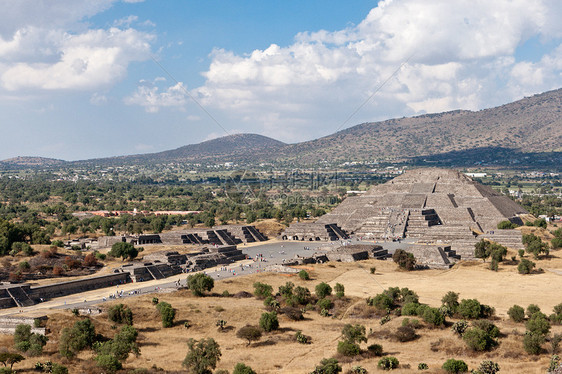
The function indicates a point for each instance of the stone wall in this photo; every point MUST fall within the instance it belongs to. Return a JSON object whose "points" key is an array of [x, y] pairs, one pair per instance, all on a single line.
{"points": [[76, 286]]}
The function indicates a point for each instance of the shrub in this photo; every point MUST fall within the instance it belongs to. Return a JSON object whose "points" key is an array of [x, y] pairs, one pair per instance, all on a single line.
{"points": [[470, 308], [373, 269], [488, 367], [325, 304], [340, 290], [556, 243], [109, 363], [294, 314], [301, 295], [322, 290], [202, 355], [381, 302], [347, 348], [301, 338], [328, 366], [76, 338], [521, 253], [503, 225], [375, 349], [120, 314], [538, 324], [516, 313], [357, 370], [241, 368], [478, 339], [354, 333], [388, 363], [303, 274], [455, 366], [487, 326], [532, 343], [59, 369], [269, 321], [525, 266], [405, 260], [154, 300], [90, 260], [262, 290], [451, 300], [410, 309], [433, 316], [199, 283], [459, 327], [423, 366], [405, 334], [532, 309], [249, 333], [167, 314]]}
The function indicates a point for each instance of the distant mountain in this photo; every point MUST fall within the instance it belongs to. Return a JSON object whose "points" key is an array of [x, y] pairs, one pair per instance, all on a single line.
{"points": [[32, 161], [532, 124]]}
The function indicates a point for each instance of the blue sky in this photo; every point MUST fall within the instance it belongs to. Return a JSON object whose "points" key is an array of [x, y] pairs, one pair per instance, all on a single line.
{"points": [[98, 78]]}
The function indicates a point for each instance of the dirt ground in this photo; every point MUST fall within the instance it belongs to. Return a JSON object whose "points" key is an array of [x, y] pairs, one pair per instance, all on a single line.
{"points": [[279, 352]]}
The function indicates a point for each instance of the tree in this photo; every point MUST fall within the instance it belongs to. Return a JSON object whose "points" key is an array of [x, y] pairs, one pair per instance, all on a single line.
{"points": [[167, 313], [249, 333], [240, 368], [109, 363], [455, 366], [77, 338], [481, 250], [122, 344], [478, 339], [203, 355], [322, 290], [488, 367], [405, 260], [516, 313], [470, 308], [262, 290], [388, 363], [303, 274], [120, 314], [538, 324], [7, 358], [199, 283], [328, 366], [451, 300], [269, 321], [532, 343], [124, 250], [340, 290], [525, 266], [354, 333]]}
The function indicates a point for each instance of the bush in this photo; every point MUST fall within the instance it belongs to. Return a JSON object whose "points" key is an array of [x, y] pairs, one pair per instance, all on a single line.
{"points": [[478, 339], [470, 308], [301, 338], [373, 269], [59, 369], [249, 333], [240, 368], [434, 317], [199, 283], [532, 343], [525, 266], [326, 304], [538, 324], [532, 309], [388, 363], [120, 314], [410, 309], [357, 370], [381, 302], [301, 295], [556, 243], [340, 290], [347, 348], [455, 366], [269, 321], [328, 366], [322, 290], [506, 225], [487, 326], [262, 290], [167, 314], [124, 250], [354, 333], [303, 274], [405, 260], [516, 313], [405, 334], [108, 363], [202, 355], [488, 367], [375, 349], [423, 366], [451, 300]]}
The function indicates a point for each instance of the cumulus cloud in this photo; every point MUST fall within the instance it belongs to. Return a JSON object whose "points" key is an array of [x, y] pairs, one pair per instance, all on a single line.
{"points": [[149, 96], [45, 45], [460, 55]]}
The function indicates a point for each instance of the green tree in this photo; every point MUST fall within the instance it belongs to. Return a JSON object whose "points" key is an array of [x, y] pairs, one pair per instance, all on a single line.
{"points": [[525, 266], [303, 274], [262, 290], [340, 290], [354, 333], [322, 290], [120, 314], [451, 301], [405, 260], [199, 283], [109, 363], [328, 366], [76, 338], [124, 250], [249, 333], [202, 356], [455, 366], [269, 321], [8, 358], [516, 313], [241, 368], [167, 313]]}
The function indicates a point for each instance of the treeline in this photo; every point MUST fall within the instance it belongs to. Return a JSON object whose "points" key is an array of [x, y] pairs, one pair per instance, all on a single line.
{"points": [[11, 233]]}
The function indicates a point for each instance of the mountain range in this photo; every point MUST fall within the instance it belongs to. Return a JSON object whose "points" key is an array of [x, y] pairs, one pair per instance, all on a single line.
{"points": [[532, 124]]}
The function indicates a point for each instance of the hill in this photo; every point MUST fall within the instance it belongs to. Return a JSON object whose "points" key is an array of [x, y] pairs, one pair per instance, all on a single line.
{"points": [[533, 124], [31, 161]]}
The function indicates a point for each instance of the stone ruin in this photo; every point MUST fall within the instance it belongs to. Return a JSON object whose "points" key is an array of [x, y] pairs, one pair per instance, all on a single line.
{"points": [[218, 235], [436, 207]]}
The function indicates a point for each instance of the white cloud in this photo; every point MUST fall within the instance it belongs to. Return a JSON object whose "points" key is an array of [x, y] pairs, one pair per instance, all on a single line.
{"points": [[461, 56], [149, 96], [45, 45], [98, 99]]}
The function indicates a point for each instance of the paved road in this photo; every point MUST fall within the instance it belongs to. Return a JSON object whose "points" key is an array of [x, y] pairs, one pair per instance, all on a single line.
{"points": [[275, 252]]}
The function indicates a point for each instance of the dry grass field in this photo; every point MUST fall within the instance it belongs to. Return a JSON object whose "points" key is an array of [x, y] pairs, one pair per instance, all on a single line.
{"points": [[279, 352]]}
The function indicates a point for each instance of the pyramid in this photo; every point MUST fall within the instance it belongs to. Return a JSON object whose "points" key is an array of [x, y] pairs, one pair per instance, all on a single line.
{"points": [[435, 206]]}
